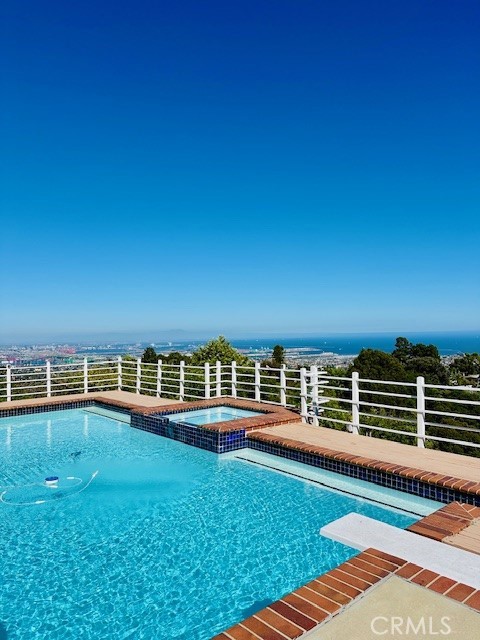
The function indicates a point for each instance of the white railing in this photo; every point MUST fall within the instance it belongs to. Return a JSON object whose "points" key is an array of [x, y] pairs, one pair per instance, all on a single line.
{"points": [[415, 412], [406, 411]]}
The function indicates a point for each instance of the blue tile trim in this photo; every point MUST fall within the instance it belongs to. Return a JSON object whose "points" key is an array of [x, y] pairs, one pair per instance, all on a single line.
{"points": [[57, 406], [215, 441], [383, 478], [60, 406]]}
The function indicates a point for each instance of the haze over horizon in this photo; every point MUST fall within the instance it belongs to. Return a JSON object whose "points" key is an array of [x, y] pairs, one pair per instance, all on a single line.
{"points": [[263, 167], [177, 335]]}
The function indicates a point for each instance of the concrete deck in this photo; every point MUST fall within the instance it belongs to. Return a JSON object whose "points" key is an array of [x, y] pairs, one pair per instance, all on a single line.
{"points": [[400, 600], [433, 461]]}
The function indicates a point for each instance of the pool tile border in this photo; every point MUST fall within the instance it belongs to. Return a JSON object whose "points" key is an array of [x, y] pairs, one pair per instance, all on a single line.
{"points": [[272, 415], [60, 405], [221, 437], [214, 441], [419, 482], [327, 596]]}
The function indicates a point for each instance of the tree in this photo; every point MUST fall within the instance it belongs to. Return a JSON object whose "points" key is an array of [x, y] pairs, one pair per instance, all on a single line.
{"points": [[277, 359], [402, 349], [278, 356], [150, 356], [218, 349], [430, 368], [420, 360], [405, 351], [378, 365], [425, 351], [175, 357], [468, 364]]}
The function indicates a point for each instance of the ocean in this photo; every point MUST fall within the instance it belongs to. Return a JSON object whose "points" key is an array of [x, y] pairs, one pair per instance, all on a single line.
{"points": [[351, 344]]}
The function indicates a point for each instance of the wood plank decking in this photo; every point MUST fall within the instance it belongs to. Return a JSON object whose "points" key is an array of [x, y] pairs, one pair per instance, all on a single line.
{"points": [[433, 461]]}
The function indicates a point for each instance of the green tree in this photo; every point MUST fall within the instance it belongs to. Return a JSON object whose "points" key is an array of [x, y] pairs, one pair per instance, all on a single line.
{"points": [[150, 356], [420, 360], [405, 351], [277, 359], [218, 349], [378, 365], [430, 368], [402, 349], [175, 357], [464, 366], [278, 356]]}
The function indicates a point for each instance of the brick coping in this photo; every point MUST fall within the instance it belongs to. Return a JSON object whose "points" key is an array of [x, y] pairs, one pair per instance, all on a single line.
{"points": [[319, 600], [447, 521], [90, 398], [272, 415], [448, 482]]}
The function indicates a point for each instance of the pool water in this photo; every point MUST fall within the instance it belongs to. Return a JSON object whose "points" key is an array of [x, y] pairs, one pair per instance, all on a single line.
{"points": [[212, 414], [165, 542]]}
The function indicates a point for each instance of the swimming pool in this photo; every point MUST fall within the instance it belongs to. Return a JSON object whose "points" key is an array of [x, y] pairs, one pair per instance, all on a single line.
{"points": [[211, 415], [166, 542]]}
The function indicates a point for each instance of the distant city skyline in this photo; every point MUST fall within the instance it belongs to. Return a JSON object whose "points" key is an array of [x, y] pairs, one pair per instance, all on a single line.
{"points": [[232, 167]]}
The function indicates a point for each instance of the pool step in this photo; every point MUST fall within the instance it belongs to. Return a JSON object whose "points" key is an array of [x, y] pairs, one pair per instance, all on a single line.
{"points": [[108, 413], [361, 532]]}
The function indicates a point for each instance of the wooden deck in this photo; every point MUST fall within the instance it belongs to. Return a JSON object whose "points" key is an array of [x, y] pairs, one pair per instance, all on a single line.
{"points": [[468, 538], [433, 461], [133, 400]]}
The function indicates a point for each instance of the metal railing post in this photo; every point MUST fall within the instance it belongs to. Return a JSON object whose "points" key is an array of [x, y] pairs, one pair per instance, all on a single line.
{"points": [[48, 373], [355, 403], [421, 412], [159, 378], [207, 380], [119, 373], [218, 378], [303, 394], [85, 375], [257, 382], [182, 381], [283, 386], [138, 386], [8, 374], [234, 379]]}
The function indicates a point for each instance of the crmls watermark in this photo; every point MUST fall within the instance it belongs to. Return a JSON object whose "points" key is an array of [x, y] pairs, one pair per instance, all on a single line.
{"points": [[400, 626]]}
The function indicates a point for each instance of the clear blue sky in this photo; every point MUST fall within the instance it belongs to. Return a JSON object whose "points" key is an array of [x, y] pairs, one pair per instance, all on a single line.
{"points": [[240, 166]]}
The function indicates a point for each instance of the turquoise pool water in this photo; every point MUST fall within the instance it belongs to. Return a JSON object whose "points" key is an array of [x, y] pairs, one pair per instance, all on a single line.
{"points": [[212, 415], [165, 542]]}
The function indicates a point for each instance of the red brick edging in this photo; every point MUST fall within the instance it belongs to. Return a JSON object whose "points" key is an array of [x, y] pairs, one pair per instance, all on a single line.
{"points": [[272, 415], [317, 601], [449, 482], [447, 521], [328, 595]]}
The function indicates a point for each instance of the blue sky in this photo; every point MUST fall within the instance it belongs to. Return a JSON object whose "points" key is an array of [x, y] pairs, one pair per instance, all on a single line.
{"points": [[239, 166]]}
